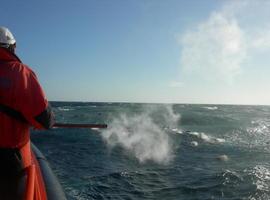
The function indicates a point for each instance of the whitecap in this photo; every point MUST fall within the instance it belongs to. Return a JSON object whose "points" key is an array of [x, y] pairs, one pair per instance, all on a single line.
{"points": [[211, 107], [176, 131], [206, 138], [219, 140], [194, 143], [64, 109]]}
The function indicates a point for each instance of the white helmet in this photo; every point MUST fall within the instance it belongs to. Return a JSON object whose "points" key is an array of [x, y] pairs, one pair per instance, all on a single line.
{"points": [[6, 37]]}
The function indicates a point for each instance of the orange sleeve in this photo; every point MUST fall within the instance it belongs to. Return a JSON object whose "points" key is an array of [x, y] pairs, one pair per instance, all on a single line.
{"points": [[32, 99]]}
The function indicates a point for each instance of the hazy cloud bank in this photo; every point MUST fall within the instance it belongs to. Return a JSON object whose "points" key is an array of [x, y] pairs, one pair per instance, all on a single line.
{"points": [[216, 49]]}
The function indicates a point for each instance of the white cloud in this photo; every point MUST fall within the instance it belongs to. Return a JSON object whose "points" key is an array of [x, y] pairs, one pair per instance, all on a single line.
{"points": [[217, 48], [176, 84], [261, 40]]}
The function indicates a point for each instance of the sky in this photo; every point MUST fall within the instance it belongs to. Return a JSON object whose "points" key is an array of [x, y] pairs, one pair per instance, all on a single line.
{"points": [[154, 51]]}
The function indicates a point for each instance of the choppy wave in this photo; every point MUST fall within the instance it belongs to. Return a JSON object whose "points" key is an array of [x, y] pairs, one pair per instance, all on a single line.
{"points": [[256, 135], [217, 153]]}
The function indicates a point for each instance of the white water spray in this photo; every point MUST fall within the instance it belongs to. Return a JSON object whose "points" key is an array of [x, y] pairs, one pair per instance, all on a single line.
{"points": [[141, 136]]}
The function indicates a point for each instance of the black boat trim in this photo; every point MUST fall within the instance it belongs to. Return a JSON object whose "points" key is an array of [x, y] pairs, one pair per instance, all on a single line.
{"points": [[53, 188]]}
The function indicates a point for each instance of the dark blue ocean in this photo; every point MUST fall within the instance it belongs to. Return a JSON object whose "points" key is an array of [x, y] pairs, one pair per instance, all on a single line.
{"points": [[160, 151]]}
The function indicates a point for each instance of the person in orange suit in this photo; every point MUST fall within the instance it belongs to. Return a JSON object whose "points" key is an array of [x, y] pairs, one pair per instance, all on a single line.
{"points": [[23, 104]]}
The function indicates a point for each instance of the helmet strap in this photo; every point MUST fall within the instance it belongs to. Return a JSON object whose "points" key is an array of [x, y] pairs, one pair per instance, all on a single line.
{"points": [[12, 48]]}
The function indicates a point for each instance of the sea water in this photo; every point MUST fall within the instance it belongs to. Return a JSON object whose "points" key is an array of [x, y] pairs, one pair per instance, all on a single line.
{"points": [[160, 151]]}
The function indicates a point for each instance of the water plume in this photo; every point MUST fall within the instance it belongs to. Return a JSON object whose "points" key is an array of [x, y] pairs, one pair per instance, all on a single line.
{"points": [[141, 135]]}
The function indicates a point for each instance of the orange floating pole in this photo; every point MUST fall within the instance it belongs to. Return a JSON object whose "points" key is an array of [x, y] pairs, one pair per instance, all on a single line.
{"points": [[68, 125]]}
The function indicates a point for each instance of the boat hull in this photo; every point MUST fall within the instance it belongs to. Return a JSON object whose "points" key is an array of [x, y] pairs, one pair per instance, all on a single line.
{"points": [[45, 178]]}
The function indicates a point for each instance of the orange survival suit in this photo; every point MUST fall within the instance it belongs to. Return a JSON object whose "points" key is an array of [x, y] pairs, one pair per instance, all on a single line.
{"points": [[20, 92]]}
